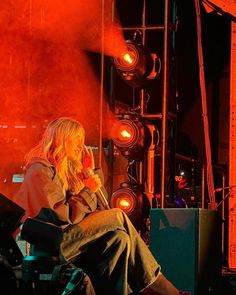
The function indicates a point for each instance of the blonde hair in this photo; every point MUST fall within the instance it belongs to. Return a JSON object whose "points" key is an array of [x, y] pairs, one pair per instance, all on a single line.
{"points": [[52, 148]]}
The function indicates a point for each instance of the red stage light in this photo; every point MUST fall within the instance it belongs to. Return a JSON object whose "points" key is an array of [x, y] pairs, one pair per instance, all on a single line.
{"points": [[127, 58], [135, 65], [132, 137], [132, 201], [124, 203], [125, 200], [125, 134], [127, 61]]}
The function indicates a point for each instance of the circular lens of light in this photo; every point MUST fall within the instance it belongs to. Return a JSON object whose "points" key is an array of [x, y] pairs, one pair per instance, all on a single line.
{"points": [[125, 200], [124, 204], [127, 58], [125, 133]]}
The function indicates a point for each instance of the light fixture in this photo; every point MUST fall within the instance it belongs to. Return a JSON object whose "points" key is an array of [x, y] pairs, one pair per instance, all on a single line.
{"points": [[132, 201], [132, 136], [136, 65]]}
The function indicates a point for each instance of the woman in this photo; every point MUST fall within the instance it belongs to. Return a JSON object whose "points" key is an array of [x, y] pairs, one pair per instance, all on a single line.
{"points": [[104, 242]]}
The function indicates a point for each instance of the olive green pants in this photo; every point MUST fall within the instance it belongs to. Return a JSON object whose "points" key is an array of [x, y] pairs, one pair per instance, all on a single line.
{"points": [[110, 250]]}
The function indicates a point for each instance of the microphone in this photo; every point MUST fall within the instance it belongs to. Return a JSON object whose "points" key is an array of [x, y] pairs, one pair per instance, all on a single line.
{"points": [[75, 283], [99, 193]]}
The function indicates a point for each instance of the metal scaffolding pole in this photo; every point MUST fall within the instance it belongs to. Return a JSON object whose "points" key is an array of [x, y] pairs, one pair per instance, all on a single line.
{"points": [[164, 133]]}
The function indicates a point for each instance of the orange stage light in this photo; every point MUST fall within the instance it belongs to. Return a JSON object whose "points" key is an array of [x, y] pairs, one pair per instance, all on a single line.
{"points": [[132, 201], [125, 134], [124, 203], [133, 137], [127, 58], [136, 65]]}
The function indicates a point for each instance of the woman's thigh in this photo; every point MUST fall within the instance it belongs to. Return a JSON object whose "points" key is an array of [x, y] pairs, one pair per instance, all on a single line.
{"points": [[93, 227]]}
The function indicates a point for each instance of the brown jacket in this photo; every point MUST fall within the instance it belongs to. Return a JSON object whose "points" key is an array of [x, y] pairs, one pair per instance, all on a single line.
{"points": [[42, 188]]}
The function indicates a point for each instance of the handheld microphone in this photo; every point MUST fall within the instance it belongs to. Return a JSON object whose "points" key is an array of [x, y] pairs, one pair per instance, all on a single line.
{"points": [[99, 193], [75, 282]]}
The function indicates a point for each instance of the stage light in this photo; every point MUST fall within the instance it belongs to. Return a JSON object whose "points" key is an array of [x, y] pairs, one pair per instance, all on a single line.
{"points": [[136, 65], [132, 136], [125, 199], [132, 201]]}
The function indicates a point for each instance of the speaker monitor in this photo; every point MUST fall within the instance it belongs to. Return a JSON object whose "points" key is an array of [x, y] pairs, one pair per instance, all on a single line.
{"points": [[187, 244], [10, 217], [10, 214]]}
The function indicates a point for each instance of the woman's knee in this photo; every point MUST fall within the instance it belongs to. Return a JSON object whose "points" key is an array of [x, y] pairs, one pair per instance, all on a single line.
{"points": [[122, 238], [119, 213]]}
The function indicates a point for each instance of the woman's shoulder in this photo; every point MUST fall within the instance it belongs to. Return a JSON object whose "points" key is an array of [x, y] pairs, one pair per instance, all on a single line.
{"points": [[39, 165]]}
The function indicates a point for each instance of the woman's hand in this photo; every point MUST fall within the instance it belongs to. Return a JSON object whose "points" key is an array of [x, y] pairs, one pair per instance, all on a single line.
{"points": [[88, 159], [93, 182]]}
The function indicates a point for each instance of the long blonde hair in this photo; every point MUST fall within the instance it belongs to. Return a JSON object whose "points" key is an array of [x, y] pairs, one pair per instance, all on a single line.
{"points": [[52, 148]]}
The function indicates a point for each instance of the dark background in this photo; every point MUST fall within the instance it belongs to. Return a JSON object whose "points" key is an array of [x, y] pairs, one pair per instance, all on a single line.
{"points": [[185, 91]]}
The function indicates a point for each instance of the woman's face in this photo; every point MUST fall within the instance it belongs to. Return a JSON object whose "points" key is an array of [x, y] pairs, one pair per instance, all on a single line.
{"points": [[74, 148]]}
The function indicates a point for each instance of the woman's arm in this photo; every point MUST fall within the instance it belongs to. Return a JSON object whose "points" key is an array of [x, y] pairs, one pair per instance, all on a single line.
{"points": [[42, 189]]}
